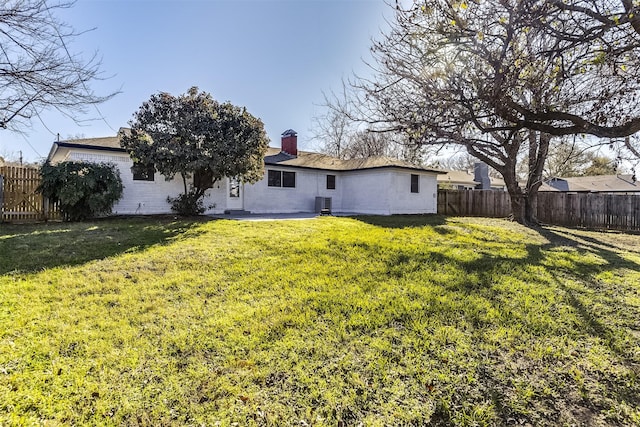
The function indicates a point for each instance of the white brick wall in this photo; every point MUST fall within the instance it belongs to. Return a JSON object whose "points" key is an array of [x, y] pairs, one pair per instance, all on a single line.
{"points": [[138, 197], [260, 198], [403, 201], [382, 191]]}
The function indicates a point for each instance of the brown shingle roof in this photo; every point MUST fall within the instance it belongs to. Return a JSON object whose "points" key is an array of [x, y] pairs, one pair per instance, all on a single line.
{"points": [[104, 143], [274, 156], [310, 160]]}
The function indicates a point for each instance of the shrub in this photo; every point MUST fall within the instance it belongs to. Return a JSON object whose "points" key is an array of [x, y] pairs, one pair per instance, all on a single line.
{"points": [[83, 190], [188, 204]]}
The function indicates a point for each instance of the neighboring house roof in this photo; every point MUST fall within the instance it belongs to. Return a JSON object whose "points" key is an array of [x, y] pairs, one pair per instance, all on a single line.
{"points": [[545, 187], [594, 184], [464, 178], [457, 178]]}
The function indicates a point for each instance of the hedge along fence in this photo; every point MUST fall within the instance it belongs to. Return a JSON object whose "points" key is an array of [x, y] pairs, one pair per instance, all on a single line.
{"points": [[19, 200], [589, 210]]}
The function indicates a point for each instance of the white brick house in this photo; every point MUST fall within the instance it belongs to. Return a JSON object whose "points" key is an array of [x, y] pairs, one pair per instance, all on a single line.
{"points": [[294, 181]]}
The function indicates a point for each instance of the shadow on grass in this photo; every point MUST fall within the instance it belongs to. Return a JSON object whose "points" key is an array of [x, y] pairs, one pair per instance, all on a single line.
{"points": [[618, 339], [602, 308], [29, 248], [620, 238], [402, 221], [607, 251]]}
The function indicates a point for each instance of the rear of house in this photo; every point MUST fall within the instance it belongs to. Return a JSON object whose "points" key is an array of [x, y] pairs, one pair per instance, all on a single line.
{"points": [[294, 181]]}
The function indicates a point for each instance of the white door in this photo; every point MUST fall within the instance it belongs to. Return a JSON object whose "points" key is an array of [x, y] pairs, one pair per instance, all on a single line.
{"points": [[235, 195]]}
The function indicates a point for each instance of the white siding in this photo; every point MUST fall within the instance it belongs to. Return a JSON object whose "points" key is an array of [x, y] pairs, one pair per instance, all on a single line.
{"points": [[144, 197], [382, 191], [403, 201], [260, 198], [215, 200], [368, 192]]}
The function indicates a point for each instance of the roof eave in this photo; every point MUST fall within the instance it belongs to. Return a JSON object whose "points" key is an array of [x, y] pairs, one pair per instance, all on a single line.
{"points": [[90, 147]]}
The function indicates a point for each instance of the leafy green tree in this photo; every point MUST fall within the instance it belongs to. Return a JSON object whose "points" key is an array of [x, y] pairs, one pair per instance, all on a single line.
{"points": [[83, 190], [199, 139]]}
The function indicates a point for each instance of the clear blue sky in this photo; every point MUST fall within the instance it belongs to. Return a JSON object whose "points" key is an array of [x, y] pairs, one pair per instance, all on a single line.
{"points": [[274, 57]]}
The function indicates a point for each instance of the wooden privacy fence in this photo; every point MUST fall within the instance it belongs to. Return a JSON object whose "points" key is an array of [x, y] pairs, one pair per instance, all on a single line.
{"points": [[493, 204], [19, 200], [590, 210]]}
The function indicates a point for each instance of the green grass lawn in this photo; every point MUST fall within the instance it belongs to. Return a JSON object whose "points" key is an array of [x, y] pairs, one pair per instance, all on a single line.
{"points": [[330, 321]]}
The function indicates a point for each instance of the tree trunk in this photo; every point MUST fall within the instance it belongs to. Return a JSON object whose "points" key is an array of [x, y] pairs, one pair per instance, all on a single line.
{"points": [[203, 180], [524, 201], [518, 203], [538, 151], [531, 207], [184, 182]]}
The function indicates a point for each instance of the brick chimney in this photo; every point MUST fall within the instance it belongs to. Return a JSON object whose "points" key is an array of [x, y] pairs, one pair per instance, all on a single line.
{"points": [[290, 142]]}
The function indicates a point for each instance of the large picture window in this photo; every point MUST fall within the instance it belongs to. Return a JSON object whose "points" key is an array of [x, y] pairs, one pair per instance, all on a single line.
{"points": [[415, 183], [143, 172], [281, 179]]}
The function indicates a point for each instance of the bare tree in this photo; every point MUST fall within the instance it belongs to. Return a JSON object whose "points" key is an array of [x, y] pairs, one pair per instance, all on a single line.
{"points": [[333, 131], [37, 69], [341, 134], [436, 82], [567, 157], [504, 78], [458, 162]]}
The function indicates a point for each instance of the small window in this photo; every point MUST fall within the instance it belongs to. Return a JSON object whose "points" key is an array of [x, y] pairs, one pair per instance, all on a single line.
{"points": [[143, 172], [415, 181], [274, 179], [289, 179], [331, 182]]}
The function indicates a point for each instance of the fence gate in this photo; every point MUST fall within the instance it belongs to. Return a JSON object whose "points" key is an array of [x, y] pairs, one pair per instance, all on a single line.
{"points": [[19, 200]]}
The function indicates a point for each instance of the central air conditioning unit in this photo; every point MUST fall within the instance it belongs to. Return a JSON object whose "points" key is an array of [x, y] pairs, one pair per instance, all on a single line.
{"points": [[323, 205]]}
